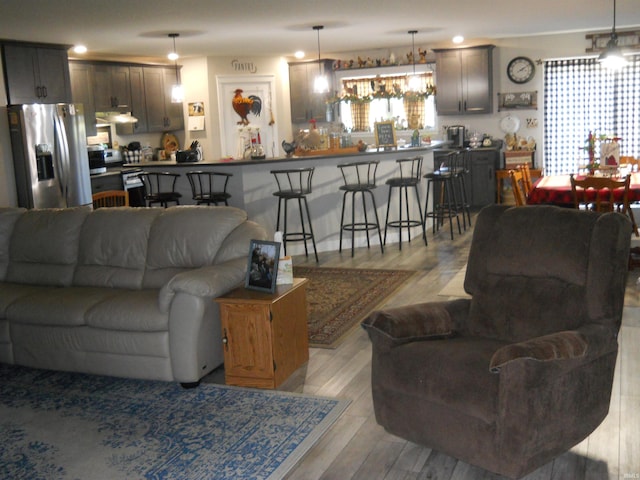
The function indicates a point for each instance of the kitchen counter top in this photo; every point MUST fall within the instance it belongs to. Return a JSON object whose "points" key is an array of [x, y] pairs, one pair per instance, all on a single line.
{"points": [[436, 144]]}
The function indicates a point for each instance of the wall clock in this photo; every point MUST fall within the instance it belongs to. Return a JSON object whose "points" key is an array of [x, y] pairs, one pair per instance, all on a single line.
{"points": [[521, 70]]}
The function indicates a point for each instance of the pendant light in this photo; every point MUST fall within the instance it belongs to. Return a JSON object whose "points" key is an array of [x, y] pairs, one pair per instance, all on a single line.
{"points": [[320, 84], [177, 91], [414, 80], [612, 57]]}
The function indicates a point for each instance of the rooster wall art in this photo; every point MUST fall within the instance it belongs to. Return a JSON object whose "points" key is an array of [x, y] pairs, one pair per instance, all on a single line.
{"points": [[243, 106]]}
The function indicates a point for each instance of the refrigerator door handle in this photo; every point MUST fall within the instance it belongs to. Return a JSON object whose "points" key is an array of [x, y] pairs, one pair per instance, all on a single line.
{"points": [[62, 150]]}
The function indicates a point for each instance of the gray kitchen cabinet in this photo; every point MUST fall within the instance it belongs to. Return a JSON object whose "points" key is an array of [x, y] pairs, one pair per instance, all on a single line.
{"points": [[162, 115], [138, 104], [81, 75], [464, 78], [305, 104], [36, 74], [480, 183], [483, 164], [112, 89]]}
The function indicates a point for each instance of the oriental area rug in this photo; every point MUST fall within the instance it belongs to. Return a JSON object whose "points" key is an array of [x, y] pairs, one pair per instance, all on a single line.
{"points": [[57, 425], [338, 299]]}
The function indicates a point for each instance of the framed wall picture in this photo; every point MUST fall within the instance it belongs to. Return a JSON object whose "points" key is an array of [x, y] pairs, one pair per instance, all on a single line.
{"points": [[262, 267]]}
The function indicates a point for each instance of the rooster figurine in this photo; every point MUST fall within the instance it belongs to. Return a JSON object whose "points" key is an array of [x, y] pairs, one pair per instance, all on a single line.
{"points": [[243, 106]]}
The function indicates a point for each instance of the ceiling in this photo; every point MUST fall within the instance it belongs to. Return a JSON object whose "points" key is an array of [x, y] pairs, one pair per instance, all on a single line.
{"points": [[137, 28]]}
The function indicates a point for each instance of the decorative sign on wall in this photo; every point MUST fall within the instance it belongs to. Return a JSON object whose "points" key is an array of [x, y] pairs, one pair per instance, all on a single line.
{"points": [[243, 67], [518, 100], [628, 40]]}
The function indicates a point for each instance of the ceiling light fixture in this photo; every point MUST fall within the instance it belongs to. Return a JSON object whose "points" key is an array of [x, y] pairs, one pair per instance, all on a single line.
{"points": [[299, 54], [177, 90], [414, 81], [457, 39], [80, 49], [612, 57], [320, 84]]}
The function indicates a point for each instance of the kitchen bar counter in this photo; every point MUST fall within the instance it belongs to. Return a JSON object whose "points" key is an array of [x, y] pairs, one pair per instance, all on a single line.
{"points": [[252, 187]]}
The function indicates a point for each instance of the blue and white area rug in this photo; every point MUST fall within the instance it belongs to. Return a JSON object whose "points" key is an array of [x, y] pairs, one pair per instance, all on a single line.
{"points": [[56, 425]]}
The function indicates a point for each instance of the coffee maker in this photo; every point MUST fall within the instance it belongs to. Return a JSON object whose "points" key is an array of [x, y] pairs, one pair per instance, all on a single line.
{"points": [[455, 134]]}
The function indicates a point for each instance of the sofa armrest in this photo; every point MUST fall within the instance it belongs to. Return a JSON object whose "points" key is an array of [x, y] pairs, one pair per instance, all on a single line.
{"points": [[396, 326], [588, 341], [211, 281]]}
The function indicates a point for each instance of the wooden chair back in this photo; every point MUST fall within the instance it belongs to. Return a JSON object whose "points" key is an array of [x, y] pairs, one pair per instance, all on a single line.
{"points": [[111, 198], [517, 187], [526, 179], [598, 193]]}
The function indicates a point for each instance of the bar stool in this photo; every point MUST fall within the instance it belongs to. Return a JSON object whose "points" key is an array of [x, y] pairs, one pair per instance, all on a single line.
{"points": [[359, 177], [460, 173], [410, 176], [209, 187], [444, 188], [295, 184], [160, 187]]}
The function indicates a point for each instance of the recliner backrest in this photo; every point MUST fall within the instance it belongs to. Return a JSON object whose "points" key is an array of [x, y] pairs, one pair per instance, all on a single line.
{"points": [[542, 269]]}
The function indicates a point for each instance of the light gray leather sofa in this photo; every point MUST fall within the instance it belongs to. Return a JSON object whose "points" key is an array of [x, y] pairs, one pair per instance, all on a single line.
{"points": [[119, 291]]}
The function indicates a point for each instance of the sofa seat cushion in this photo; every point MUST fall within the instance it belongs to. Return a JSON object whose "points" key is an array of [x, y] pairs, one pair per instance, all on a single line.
{"points": [[130, 310], [57, 306], [425, 369], [10, 292]]}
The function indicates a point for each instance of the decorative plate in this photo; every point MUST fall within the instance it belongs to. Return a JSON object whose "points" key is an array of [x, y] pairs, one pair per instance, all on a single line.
{"points": [[169, 142], [510, 124]]}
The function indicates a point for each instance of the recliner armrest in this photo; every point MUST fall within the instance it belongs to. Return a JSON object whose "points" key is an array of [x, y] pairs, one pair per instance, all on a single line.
{"points": [[590, 340], [396, 326]]}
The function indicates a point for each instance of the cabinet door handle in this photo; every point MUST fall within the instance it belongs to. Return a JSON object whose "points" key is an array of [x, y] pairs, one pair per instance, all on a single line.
{"points": [[459, 106], [225, 339], [38, 92], [44, 92]]}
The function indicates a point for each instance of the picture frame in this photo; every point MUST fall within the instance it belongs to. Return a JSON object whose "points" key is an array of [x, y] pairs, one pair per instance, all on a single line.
{"points": [[518, 101], [262, 266]]}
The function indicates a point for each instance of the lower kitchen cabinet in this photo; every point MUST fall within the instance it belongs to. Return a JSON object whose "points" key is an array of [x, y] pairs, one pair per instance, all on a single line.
{"points": [[480, 182], [265, 335]]}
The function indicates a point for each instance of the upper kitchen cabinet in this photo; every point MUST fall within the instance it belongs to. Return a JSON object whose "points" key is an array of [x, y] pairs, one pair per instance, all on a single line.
{"points": [[138, 104], [36, 74], [162, 114], [112, 89], [82, 91], [305, 104], [464, 78]]}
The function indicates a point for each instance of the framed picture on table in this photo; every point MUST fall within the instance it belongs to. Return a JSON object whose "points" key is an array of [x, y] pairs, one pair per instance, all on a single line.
{"points": [[262, 267]]}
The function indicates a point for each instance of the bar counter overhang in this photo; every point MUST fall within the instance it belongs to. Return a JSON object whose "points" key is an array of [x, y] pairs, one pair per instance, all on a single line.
{"points": [[252, 187]]}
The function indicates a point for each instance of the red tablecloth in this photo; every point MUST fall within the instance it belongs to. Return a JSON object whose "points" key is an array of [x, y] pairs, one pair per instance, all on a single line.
{"points": [[556, 190]]}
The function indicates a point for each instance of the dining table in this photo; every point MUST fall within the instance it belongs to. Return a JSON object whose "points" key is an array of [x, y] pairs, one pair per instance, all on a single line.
{"points": [[556, 190]]}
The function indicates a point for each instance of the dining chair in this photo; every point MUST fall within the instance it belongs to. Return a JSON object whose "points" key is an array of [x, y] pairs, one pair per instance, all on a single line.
{"points": [[598, 194], [111, 198], [526, 179], [517, 187]]}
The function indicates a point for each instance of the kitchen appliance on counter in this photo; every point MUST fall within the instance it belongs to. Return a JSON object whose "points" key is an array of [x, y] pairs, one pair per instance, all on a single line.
{"points": [[456, 134], [50, 155], [96, 154]]}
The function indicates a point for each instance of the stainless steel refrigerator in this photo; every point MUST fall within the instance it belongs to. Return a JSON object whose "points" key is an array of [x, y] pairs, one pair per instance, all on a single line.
{"points": [[50, 155]]}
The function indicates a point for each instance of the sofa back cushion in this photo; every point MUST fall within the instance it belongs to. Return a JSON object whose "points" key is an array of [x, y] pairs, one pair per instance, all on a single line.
{"points": [[113, 247], [8, 218], [187, 237], [537, 270], [44, 246]]}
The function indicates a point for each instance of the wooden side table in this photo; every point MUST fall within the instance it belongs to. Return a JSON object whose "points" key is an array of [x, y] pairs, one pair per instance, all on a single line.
{"points": [[265, 335]]}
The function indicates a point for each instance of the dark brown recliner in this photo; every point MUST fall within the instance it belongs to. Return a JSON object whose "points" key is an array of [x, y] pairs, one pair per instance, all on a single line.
{"points": [[523, 370]]}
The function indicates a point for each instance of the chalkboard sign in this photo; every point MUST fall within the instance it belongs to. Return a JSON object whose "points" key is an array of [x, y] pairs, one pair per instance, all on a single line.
{"points": [[385, 134]]}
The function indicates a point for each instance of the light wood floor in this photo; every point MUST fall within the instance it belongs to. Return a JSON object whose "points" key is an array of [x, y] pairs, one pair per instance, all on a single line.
{"points": [[357, 448]]}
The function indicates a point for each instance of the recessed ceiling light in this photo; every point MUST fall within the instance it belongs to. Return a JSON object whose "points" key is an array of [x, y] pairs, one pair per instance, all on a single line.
{"points": [[173, 56], [299, 54], [458, 39], [79, 49]]}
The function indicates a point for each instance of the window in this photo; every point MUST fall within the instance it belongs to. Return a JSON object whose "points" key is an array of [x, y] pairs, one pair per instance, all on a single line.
{"points": [[580, 97], [365, 101]]}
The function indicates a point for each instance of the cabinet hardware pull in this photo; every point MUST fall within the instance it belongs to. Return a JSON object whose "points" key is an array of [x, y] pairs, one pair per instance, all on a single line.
{"points": [[44, 92], [225, 339]]}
